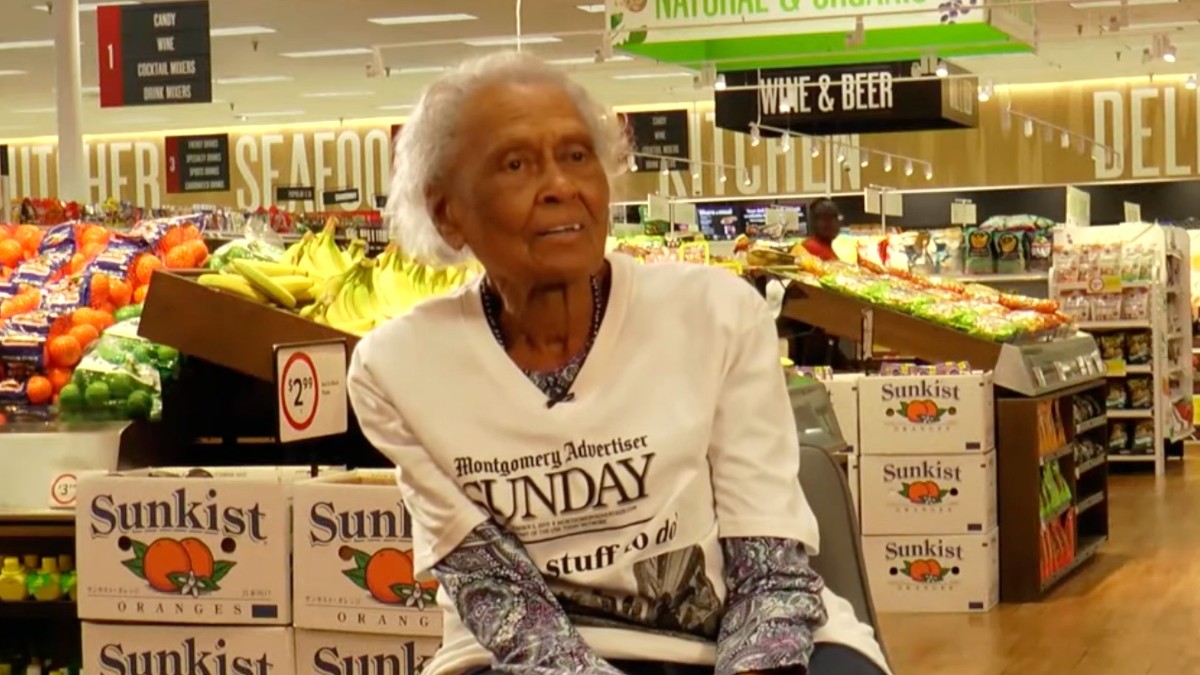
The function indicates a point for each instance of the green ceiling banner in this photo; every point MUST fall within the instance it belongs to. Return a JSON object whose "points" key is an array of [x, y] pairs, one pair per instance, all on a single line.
{"points": [[748, 34]]}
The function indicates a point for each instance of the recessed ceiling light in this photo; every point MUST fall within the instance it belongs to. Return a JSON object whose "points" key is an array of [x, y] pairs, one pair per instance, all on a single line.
{"points": [[91, 6], [323, 53], [650, 76], [592, 9], [1099, 4], [35, 111], [511, 41], [252, 79], [420, 70], [26, 44], [236, 31], [585, 60], [404, 106], [337, 94], [421, 18], [1159, 25], [11, 72], [280, 113]]}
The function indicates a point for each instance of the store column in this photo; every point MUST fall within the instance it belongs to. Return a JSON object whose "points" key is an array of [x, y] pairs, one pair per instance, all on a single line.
{"points": [[72, 172]]}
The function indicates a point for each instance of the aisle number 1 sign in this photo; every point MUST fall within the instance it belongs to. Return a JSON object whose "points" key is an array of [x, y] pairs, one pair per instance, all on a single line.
{"points": [[310, 386], [154, 54]]}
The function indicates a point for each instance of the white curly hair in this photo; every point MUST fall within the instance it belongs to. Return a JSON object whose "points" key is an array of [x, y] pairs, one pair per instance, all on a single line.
{"points": [[426, 143]]}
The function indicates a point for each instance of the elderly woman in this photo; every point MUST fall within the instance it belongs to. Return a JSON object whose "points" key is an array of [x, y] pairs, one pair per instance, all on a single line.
{"points": [[599, 456]]}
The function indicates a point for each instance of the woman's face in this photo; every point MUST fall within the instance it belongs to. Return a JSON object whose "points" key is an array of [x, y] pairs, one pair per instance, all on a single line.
{"points": [[524, 188]]}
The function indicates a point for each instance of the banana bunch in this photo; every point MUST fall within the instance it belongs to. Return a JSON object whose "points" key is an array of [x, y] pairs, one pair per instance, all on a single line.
{"points": [[319, 256], [373, 291], [264, 282]]}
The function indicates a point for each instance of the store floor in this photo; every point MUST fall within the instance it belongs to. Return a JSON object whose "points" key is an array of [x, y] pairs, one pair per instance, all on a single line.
{"points": [[1135, 610]]}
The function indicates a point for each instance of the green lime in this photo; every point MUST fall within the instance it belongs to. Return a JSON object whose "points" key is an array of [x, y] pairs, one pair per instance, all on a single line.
{"points": [[80, 379], [138, 404], [120, 386], [71, 396], [111, 353], [167, 354], [144, 354], [127, 312], [97, 394]]}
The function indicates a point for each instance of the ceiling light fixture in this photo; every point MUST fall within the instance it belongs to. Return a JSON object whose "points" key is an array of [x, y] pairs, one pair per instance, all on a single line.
{"points": [[1170, 55], [6, 73], [724, 178], [1191, 82], [337, 94], [841, 156], [91, 6], [420, 70], [1065, 140], [928, 172], [719, 84], [908, 168], [591, 9], [985, 92], [327, 53], [633, 164], [649, 76], [755, 136], [866, 160], [1028, 128], [785, 107], [35, 111], [665, 169], [416, 19], [943, 69], [238, 31], [511, 41], [746, 180], [401, 106], [1163, 25], [26, 44], [253, 79], [278, 113], [816, 149], [588, 60], [887, 164], [786, 145]]}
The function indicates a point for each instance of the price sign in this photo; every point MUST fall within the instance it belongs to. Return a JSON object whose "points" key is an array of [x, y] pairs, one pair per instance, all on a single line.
{"points": [[197, 163], [154, 54], [339, 197], [62, 491], [310, 385]]}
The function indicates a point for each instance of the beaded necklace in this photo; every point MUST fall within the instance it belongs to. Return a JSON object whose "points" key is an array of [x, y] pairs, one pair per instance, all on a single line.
{"points": [[555, 384]]}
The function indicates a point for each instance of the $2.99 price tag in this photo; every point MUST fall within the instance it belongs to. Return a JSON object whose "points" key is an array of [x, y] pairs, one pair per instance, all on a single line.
{"points": [[310, 383]]}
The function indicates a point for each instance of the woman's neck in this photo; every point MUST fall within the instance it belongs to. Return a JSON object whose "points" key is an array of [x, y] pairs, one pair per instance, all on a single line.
{"points": [[545, 327]]}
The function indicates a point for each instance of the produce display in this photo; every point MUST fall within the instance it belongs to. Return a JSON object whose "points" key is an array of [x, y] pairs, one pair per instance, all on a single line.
{"points": [[1105, 282], [974, 309], [342, 288], [62, 290], [1001, 245]]}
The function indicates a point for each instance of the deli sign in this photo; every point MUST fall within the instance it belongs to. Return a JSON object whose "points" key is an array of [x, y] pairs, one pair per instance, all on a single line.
{"points": [[849, 99]]}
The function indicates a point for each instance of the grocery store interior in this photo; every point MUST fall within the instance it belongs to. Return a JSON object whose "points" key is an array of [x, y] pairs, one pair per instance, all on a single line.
{"points": [[973, 222]]}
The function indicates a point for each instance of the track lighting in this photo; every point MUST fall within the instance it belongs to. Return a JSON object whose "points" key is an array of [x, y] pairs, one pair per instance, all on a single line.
{"points": [[786, 145], [1065, 140], [1191, 82], [887, 164], [985, 92], [866, 160], [755, 136], [908, 168], [633, 165], [928, 172], [1028, 128], [943, 69], [816, 149], [719, 83]]}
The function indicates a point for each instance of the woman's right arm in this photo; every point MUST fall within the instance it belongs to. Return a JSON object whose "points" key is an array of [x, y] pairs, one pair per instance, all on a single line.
{"points": [[497, 589]]}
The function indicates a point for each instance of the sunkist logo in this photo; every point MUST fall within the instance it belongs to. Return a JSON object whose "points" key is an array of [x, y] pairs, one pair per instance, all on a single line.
{"points": [[184, 565], [189, 658], [387, 574], [918, 403], [331, 661], [919, 480], [920, 562]]}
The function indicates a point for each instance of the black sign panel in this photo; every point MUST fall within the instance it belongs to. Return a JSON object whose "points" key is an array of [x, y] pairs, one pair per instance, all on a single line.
{"points": [[381, 201], [297, 193], [335, 197], [154, 54], [197, 163], [3, 161], [863, 98], [659, 133]]}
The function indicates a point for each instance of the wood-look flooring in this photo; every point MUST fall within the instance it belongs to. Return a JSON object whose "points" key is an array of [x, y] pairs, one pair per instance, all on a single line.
{"points": [[1133, 610]]}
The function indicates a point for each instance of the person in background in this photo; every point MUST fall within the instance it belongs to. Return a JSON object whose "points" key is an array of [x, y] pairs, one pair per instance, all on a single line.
{"points": [[596, 490], [824, 225]]}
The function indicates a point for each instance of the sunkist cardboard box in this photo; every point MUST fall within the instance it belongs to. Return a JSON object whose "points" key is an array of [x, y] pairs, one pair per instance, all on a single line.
{"points": [[932, 573], [353, 565], [928, 494], [194, 546], [330, 653], [843, 396], [926, 414], [124, 649]]}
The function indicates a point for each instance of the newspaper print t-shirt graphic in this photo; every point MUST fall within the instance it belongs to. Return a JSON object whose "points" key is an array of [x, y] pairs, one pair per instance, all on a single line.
{"points": [[589, 516]]}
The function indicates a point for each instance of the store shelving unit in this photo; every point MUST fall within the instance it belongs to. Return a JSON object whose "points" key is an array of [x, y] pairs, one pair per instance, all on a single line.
{"points": [[1166, 282]]}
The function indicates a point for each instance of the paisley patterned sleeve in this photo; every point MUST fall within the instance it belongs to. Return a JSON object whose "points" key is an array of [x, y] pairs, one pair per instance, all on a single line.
{"points": [[772, 608], [504, 601]]}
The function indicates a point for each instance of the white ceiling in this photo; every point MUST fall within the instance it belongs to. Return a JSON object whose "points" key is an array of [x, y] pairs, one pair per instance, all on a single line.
{"points": [[1072, 45]]}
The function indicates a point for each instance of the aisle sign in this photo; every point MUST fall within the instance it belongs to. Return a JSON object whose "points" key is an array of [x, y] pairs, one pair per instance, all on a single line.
{"points": [[197, 163], [1079, 208], [1133, 212], [336, 197], [662, 133], [154, 54], [310, 384], [295, 193]]}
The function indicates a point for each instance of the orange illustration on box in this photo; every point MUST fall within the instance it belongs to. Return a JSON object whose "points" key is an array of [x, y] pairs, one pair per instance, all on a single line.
{"points": [[923, 492], [177, 566], [388, 575], [924, 411], [925, 571]]}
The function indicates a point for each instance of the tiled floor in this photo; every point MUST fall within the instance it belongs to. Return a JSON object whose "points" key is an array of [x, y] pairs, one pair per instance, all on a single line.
{"points": [[1134, 610]]}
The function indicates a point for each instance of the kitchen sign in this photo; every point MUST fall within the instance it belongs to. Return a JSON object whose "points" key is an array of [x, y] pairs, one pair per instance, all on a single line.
{"points": [[864, 98], [154, 54], [663, 133], [197, 163]]}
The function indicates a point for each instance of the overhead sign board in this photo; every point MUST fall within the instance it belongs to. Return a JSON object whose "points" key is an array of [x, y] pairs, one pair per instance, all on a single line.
{"points": [[197, 163], [864, 98], [664, 134], [154, 54]]}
